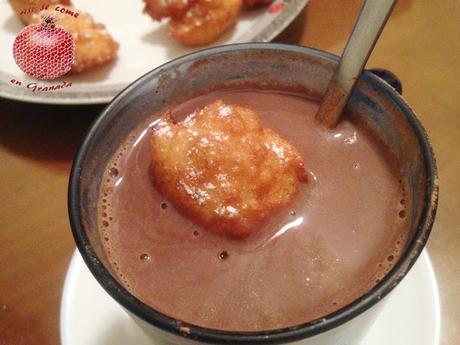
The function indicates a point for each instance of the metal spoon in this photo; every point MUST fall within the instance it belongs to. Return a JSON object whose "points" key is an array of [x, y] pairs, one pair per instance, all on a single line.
{"points": [[374, 14]]}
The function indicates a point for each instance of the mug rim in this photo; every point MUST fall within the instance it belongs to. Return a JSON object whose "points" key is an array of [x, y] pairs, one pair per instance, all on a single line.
{"points": [[275, 336]]}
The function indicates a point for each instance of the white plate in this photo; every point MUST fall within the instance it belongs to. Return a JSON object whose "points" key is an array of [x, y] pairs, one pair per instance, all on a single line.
{"points": [[144, 45], [89, 316]]}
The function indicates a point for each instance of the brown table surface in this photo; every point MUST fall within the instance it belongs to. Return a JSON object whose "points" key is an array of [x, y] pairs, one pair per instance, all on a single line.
{"points": [[421, 44]]}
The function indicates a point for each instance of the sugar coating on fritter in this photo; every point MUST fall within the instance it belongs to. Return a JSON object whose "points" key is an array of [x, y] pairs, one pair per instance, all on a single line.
{"points": [[223, 169], [205, 21], [94, 46], [159, 9]]}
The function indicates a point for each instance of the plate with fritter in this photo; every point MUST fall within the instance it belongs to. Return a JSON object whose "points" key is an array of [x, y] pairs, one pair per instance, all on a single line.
{"points": [[117, 42]]}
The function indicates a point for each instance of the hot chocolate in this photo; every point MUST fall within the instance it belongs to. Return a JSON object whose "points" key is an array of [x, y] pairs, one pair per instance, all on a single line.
{"points": [[340, 234]]}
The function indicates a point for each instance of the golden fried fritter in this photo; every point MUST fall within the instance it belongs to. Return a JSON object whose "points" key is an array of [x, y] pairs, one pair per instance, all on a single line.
{"points": [[254, 3], [94, 46], [223, 169], [159, 9], [205, 21], [24, 9]]}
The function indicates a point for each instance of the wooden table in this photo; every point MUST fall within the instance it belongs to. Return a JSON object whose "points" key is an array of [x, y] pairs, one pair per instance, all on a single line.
{"points": [[420, 44]]}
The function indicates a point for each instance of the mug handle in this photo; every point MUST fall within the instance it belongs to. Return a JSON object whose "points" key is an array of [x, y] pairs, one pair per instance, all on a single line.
{"points": [[388, 77]]}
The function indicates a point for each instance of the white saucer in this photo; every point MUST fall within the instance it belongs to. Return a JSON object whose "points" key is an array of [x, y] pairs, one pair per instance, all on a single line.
{"points": [[89, 316]]}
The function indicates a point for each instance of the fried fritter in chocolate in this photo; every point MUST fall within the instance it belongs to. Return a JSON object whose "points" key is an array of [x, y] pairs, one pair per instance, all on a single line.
{"points": [[205, 21], [94, 46], [223, 169]]}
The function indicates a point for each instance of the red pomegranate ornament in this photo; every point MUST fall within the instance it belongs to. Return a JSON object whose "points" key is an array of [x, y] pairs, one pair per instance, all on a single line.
{"points": [[44, 51]]}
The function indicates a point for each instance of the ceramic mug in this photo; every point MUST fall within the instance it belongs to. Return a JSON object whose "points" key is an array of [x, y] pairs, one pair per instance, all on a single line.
{"points": [[259, 65]]}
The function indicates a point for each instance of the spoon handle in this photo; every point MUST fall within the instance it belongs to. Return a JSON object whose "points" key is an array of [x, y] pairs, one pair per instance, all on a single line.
{"points": [[366, 31]]}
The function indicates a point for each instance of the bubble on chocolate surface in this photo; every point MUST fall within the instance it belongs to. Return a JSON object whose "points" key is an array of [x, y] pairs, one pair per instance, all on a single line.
{"points": [[402, 214], [196, 233], [293, 213], [113, 172], [144, 257], [223, 255], [164, 205]]}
